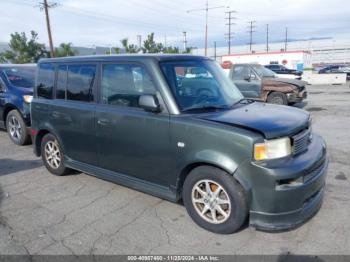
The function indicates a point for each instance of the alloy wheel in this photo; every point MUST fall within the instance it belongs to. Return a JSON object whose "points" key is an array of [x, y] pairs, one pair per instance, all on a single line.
{"points": [[211, 201], [15, 128], [53, 154]]}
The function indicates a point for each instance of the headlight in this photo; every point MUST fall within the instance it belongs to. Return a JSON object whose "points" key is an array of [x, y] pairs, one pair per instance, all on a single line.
{"points": [[28, 99], [271, 149]]}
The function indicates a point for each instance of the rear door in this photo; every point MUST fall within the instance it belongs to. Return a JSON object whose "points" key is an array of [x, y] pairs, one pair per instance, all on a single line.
{"points": [[130, 140], [247, 81], [73, 111]]}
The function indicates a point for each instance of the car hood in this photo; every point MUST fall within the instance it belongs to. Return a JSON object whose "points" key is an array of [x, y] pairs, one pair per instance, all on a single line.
{"points": [[272, 121], [295, 82], [25, 90]]}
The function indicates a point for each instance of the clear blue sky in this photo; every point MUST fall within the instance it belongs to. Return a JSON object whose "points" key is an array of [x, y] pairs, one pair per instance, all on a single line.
{"points": [[105, 22]]}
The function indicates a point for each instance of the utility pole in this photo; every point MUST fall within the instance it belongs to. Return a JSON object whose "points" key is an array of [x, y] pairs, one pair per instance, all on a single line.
{"points": [[230, 23], [185, 40], [251, 31], [45, 6], [206, 9], [215, 50], [139, 39], [267, 38], [285, 43]]}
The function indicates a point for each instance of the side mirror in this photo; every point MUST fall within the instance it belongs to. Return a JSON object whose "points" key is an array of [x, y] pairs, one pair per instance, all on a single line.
{"points": [[149, 103], [247, 78]]}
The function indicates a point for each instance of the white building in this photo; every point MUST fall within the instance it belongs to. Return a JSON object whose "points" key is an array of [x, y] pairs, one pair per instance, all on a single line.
{"points": [[323, 51], [291, 59]]}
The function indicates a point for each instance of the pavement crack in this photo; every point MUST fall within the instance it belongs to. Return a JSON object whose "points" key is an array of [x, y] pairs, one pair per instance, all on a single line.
{"points": [[110, 236]]}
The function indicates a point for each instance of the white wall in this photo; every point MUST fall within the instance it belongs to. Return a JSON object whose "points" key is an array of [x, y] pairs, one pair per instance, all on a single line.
{"points": [[292, 58], [323, 51]]}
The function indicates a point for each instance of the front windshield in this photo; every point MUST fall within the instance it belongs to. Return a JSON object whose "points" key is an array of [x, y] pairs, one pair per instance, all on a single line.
{"points": [[263, 71], [21, 76], [200, 84]]}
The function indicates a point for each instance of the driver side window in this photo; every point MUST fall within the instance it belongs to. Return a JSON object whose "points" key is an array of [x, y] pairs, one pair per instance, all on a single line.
{"points": [[242, 73]]}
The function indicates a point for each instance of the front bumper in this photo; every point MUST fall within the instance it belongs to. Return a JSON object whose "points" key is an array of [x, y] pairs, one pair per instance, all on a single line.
{"points": [[296, 97], [292, 219], [274, 207]]}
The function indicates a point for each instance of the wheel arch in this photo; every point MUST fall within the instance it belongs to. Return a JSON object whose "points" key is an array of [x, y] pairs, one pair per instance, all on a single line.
{"points": [[39, 137], [8, 108], [236, 174]]}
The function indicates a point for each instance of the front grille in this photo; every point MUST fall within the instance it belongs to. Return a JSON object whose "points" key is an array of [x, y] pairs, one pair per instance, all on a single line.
{"points": [[314, 171], [301, 141]]}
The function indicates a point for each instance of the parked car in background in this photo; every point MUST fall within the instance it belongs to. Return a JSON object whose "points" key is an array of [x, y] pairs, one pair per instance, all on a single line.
{"points": [[285, 72], [336, 69], [16, 93], [198, 139], [259, 83]]}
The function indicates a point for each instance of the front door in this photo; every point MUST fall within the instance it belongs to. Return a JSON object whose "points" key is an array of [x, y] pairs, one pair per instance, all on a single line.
{"points": [[246, 81], [130, 140]]}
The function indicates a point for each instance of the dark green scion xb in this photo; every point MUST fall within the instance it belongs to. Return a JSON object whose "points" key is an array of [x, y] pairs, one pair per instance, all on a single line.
{"points": [[176, 127]]}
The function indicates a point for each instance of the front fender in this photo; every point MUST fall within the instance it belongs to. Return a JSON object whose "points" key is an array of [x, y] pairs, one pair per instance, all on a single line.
{"points": [[217, 159]]}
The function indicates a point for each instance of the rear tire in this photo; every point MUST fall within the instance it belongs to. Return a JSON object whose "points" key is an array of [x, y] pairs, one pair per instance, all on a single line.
{"points": [[214, 200], [53, 156], [277, 98], [17, 129]]}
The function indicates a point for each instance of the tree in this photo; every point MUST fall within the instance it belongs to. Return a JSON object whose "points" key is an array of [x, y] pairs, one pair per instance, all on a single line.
{"points": [[170, 50], [150, 46], [188, 50], [129, 48], [65, 49], [21, 50]]}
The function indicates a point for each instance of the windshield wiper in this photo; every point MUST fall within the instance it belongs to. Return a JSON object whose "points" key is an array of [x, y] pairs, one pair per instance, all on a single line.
{"points": [[204, 108]]}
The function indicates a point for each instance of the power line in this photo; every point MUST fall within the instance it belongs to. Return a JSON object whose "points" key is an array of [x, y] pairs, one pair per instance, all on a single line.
{"points": [[229, 24], [206, 9], [251, 31]]}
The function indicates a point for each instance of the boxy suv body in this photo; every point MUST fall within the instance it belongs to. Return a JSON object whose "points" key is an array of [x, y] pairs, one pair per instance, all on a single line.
{"points": [[16, 93], [152, 124]]}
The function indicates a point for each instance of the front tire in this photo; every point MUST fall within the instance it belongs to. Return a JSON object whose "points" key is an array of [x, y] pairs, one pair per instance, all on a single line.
{"points": [[214, 200], [277, 98], [17, 129], [52, 155]]}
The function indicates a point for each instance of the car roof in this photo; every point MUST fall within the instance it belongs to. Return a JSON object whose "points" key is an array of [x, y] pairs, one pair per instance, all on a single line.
{"points": [[16, 65], [124, 57]]}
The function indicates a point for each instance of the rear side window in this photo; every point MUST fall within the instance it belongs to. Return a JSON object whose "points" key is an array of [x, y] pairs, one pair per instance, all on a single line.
{"points": [[123, 84], [45, 81], [80, 84], [61, 82]]}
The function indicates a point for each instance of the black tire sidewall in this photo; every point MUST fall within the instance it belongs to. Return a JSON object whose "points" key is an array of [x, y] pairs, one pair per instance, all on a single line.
{"points": [[62, 170], [239, 206], [25, 138], [277, 94]]}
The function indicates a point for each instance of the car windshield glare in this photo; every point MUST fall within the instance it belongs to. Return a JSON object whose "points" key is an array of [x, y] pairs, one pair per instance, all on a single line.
{"points": [[20, 76], [200, 84], [263, 71]]}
